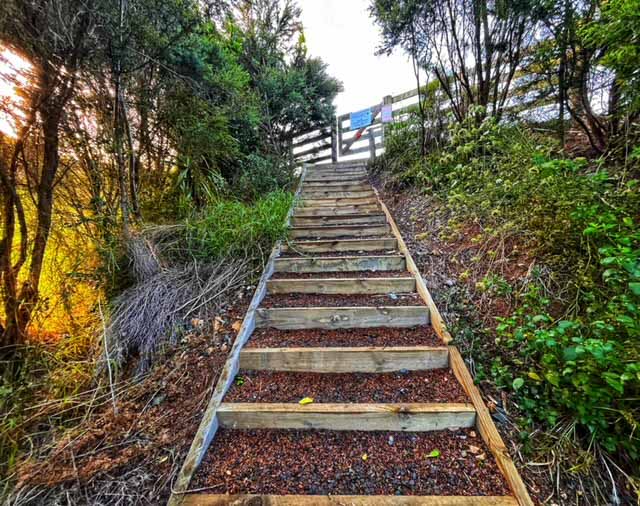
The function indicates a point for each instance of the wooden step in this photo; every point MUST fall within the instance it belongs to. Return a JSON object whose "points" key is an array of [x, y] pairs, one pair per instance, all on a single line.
{"points": [[336, 180], [344, 359], [347, 219], [338, 186], [342, 285], [341, 264], [381, 244], [342, 317], [335, 194], [412, 417], [336, 211], [331, 202], [328, 231], [201, 499]]}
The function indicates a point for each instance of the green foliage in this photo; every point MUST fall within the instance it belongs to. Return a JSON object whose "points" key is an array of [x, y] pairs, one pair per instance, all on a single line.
{"points": [[579, 360], [231, 227], [618, 31]]}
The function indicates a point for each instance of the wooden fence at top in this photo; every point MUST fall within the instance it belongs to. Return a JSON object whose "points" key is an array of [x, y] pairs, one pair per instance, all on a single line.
{"points": [[339, 141]]}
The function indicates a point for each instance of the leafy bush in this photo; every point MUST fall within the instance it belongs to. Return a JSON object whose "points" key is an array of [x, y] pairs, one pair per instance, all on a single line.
{"points": [[232, 227], [581, 359]]}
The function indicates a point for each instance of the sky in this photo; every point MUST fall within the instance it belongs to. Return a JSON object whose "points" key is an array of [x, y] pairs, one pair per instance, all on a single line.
{"points": [[344, 36]]}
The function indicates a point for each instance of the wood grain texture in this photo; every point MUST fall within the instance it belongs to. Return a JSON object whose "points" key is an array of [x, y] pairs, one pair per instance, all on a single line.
{"points": [[412, 417], [342, 317], [342, 285], [319, 194], [344, 500], [347, 219], [345, 359], [329, 231], [337, 211], [331, 202], [337, 186], [342, 245], [341, 264]]}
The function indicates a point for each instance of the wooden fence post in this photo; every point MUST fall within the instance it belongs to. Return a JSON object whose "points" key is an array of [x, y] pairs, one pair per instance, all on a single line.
{"points": [[387, 100], [372, 145], [334, 140]]}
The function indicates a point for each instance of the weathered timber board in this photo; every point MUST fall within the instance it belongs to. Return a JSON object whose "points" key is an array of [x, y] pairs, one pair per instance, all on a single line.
{"points": [[412, 417], [313, 194], [342, 317], [342, 245], [337, 211], [327, 231], [341, 264], [347, 201], [353, 219], [373, 359], [344, 500]]}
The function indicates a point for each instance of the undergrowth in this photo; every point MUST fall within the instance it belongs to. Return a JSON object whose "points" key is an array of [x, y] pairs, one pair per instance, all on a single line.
{"points": [[571, 348]]}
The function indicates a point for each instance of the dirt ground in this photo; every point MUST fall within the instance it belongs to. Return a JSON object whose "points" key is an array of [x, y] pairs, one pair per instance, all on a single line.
{"points": [[131, 452]]}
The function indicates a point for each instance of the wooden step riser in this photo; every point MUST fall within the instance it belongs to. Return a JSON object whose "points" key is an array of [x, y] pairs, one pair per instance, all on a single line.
{"points": [[342, 317], [343, 286], [338, 231], [357, 219], [368, 417], [305, 212], [340, 187], [328, 202], [345, 360], [332, 194], [341, 245], [341, 264], [200, 499]]}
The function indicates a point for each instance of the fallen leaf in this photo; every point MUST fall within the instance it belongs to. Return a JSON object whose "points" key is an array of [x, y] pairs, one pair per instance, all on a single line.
{"points": [[474, 449], [236, 325], [365, 456], [306, 400], [434, 454]]}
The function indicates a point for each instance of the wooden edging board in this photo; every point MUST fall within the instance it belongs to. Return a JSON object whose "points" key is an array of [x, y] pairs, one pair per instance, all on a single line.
{"points": [[209, 423], [484, 422], [345, 500], [328, 246], [341, 264], [343, 285]]}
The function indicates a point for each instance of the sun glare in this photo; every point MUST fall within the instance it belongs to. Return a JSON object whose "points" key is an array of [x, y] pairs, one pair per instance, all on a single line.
{"points": [[14, 72]]}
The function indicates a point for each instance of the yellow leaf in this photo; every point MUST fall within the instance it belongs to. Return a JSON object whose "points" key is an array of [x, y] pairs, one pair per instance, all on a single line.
{"points": [[365, 456], [236, 325], [535, 376], [306, 400]]}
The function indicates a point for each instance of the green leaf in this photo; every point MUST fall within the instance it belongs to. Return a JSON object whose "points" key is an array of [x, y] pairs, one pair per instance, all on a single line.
{"points": [[434, 454], [635, 288], [518, 383]]}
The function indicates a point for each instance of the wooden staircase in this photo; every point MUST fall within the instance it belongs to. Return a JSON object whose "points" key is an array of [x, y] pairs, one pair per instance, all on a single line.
{"points": [[340, 234]]}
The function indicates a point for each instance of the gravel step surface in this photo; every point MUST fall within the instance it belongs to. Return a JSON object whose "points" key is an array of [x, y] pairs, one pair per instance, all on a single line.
{"points": [[437, 385], [338, 300], [349, 463], [377, 336]]}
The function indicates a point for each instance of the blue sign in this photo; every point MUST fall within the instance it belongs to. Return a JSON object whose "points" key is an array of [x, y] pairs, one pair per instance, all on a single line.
{"points": [[360, 119]]}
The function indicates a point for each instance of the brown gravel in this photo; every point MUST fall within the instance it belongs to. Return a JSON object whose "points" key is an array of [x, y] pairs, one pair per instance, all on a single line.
{"points": [[377, 336], [437, 385], [333, 462], [337, 300], [341, 274]]}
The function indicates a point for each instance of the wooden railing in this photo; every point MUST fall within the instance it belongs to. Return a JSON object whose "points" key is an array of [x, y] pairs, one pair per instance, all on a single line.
{"points": [[339, 140]]}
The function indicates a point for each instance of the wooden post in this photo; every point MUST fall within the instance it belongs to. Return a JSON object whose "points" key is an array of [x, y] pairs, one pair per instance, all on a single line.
{"points": [[339, 127], [372, 145], [388, 100], [334, 140]]}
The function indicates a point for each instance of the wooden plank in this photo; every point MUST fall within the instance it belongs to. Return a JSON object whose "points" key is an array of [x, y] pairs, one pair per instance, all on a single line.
{"points": [[337, 186], [329, 202], [344, 500], [342, 285], [313, 138], [373, 359], [347, 219], [341, 245], [413, 417], [336, 194], [342, 317], [341, 264], [488, 430], [338, 231], [436, 319], [337, 211], [312, 150], [340, 179]]}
